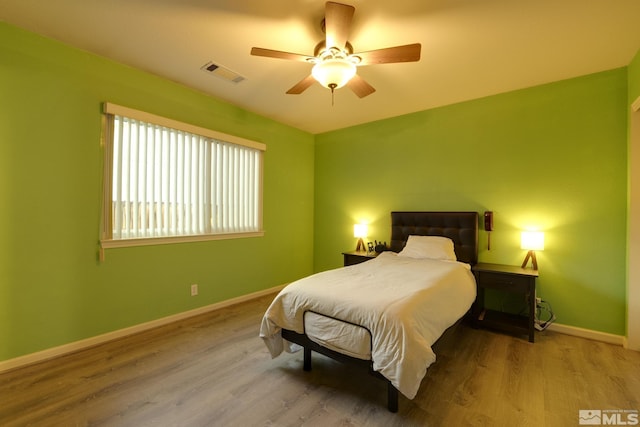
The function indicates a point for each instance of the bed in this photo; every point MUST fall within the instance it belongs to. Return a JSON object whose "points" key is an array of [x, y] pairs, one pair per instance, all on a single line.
{"points": [[386, 313]]}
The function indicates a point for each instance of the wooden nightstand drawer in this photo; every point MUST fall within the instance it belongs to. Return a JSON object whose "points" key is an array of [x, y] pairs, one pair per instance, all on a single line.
{"points": [[505, 282]]}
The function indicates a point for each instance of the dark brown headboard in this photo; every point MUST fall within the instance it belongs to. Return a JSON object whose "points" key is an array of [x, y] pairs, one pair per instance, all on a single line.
{"points": [[461, 227]]}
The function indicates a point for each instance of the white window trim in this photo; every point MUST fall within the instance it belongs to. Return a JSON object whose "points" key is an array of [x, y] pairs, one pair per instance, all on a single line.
{"points": [[106, 242], [149, 241]]}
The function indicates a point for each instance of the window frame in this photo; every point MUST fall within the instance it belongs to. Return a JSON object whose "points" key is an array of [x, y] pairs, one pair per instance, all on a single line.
{"points": [[106, 235]]}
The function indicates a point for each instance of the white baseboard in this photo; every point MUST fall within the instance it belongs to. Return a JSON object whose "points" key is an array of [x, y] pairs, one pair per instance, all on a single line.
{"points": [[588, 333], [50, 353]]}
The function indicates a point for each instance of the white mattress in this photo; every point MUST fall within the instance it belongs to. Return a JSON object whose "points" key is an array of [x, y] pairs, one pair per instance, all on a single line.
{"points": [[405, 303]]}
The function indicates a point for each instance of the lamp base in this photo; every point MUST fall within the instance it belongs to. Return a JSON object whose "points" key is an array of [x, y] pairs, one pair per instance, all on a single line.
{"points": [[360, 247], [534, 261]]}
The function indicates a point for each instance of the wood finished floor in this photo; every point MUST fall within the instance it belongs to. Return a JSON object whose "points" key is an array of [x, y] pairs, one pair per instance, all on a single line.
{"points": [[213, 370]]}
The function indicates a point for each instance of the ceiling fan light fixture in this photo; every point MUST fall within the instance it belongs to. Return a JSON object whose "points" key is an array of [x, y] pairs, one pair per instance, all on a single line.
{"points": [[334, 73], [334, 61]]}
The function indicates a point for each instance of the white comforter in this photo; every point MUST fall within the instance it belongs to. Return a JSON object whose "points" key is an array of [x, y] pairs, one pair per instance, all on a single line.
{"points": [[406, 303]]}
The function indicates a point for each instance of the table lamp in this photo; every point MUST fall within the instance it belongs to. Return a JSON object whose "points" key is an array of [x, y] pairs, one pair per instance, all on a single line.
{"points": [[532, 241], [360, 231]]}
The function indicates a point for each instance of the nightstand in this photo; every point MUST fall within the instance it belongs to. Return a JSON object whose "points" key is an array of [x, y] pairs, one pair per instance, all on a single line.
{"points": [[505, 278], [356, 257]]}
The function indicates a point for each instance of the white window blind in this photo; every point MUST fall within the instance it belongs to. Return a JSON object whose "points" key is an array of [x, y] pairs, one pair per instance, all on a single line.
{"points": [[170, 179]]}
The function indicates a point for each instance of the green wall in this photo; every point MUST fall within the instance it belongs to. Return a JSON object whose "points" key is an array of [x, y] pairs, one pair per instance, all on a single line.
{"points": [[52, 288], [552, 157]]}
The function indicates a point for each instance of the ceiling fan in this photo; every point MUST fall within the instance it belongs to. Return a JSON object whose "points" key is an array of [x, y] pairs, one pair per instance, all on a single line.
{"points": [[334, 61]]}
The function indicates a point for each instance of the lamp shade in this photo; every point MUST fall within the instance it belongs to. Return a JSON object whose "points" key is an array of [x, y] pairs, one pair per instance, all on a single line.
{"points": [[360, 230], [333, 71], [532, 240]]}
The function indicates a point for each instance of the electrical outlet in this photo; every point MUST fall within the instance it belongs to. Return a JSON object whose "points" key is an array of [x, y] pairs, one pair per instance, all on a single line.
{"points": [[538, 300], [194, 290]]}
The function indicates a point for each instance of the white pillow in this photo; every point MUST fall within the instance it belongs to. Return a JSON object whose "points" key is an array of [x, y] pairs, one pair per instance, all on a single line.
{"points": [[432, 247]]}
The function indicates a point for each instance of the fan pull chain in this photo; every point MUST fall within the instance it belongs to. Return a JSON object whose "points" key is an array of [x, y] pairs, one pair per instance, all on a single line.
{"points": [[332, 86]]}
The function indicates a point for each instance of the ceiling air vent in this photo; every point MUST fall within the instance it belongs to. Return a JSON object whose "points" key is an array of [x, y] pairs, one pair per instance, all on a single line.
{"points": [[222, 72]]}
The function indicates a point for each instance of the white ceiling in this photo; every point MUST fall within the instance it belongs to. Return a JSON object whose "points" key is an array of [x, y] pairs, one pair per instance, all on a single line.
{"points": [[470, 48]]}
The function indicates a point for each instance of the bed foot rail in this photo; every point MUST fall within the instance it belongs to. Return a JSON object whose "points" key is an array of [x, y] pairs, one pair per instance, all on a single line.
{"points": [[309, 346], [392, 397]]}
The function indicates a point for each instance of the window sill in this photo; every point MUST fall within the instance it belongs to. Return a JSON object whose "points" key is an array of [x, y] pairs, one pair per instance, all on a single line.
{"points": [[149, 241]]}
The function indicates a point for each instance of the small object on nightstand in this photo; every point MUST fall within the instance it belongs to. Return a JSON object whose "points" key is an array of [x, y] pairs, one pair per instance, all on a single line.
{"points": [[370, 247], [356, 257], [380, 247], [505, 278]]}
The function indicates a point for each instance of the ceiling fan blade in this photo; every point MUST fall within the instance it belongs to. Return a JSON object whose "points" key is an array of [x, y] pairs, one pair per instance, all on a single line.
{"points": [[258, 51], [360, 87], [406, 53], [337, 22], [302, 85]]}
